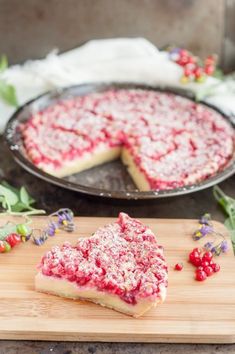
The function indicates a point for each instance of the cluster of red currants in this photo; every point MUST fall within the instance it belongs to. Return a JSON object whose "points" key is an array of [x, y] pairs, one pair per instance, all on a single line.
{"points": [[194, 69], [203, 261], [22, 234]]}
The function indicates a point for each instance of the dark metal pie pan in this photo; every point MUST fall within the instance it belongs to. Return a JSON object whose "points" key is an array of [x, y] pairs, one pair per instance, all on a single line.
{"points": [[110, 180]]}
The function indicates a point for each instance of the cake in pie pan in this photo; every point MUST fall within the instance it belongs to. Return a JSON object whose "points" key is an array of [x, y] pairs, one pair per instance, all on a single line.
{"points": [[165, 140]]}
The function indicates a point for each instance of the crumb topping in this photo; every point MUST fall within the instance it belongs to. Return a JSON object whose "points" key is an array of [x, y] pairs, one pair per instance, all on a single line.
{"points": [[122, 258], [173, 141]]}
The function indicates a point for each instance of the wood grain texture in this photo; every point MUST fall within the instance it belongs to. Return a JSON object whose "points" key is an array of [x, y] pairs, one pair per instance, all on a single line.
{"points": [[193, 312]]}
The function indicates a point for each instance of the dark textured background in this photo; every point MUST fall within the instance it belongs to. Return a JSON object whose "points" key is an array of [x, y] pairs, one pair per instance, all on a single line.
{"points": [[31, 28]]}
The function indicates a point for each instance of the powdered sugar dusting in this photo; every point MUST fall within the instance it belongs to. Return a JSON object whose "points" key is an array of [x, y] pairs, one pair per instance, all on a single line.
{"points": [[122, 258], [173, 141]]}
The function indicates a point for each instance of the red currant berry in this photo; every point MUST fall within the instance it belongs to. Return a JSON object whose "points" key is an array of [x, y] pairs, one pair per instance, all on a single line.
{"points": [[192, 60], [184, 53], [194, 254], [198, 72], [200, 268], [13, 239], [196, 261], [179, 266], [207, 256], [197, 250], [208, 270], [204, 263], [210, 60], [200, 275], [191, 257], [209, 69], [2, 247], [215, 267], [183, 60], [187, 72]]}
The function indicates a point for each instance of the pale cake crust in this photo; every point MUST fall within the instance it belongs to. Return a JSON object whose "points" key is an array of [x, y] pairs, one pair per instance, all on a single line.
{"points": [[67, 289], [89, 160], [137, 176]]}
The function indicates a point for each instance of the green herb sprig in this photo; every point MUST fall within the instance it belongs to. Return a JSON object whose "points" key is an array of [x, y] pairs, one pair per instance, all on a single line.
{"points": [[228, 205], [7, 91], [17, 202]]}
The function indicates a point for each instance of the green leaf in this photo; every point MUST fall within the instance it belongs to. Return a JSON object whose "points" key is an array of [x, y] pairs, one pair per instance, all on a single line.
{"points": [[232, 235], [228, 224], [19, 207], [13, 189], [228, 205], [11, 198], [4, 204], [8, 94], [224, 200], [24, 196], [3, 63], [17, 201], [31, 201]]}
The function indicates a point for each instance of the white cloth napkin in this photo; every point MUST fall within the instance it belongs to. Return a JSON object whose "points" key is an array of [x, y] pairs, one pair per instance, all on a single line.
{"points": [[121, 59]]}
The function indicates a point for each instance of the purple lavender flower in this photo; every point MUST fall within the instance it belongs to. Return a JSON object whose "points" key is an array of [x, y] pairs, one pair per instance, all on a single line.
{"points": [[52, 228], [37, 241], [216, 250], [61, 218], [224, 246], [28, 237], [208, 245], [205, 230], [202, 232], [213, 249], [205, 219]]}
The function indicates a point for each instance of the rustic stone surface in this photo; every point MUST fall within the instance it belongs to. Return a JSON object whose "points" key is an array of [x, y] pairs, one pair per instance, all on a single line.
{"points": [[13, 347], [31, 28]]}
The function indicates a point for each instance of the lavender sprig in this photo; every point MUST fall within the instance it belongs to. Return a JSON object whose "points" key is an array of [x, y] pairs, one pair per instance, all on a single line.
{"points": [[205, 219], [205, 228], [64, 221], [217, 246]]}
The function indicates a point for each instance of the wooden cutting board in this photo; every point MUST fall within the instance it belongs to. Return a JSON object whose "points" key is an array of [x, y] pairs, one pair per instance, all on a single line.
{"points": [[194, 312]]}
